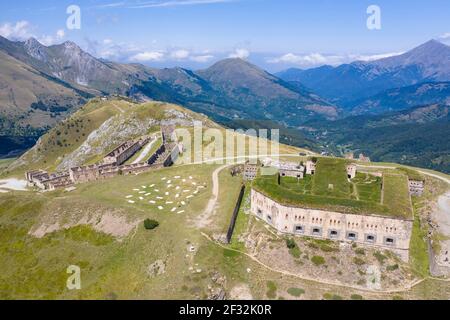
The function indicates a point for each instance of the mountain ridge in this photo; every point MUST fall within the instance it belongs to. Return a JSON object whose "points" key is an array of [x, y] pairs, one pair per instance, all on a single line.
{"points": [[250, 92], [348, 82]]}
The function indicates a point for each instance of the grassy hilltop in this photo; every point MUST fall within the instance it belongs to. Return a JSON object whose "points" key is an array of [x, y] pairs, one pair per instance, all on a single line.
{"points": [[99, 226]]}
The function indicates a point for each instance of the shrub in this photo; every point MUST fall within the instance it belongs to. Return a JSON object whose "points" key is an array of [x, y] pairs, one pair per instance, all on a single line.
{"points": [[150, 224], [358, 261], [271, 290], [312, 245], [360, 251], [318, 260], [356, 297], [296, 292], [379, 256], [392, 267], [331, 296], [295, 252], [327, 248], [290, 243]]}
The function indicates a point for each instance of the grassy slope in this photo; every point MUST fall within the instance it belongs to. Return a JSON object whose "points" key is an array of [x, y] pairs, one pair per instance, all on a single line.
{"points": [[331, 172], [107, 266], [35, 268], [70, 134], [4, 163], [396, 194], [25, 86]]}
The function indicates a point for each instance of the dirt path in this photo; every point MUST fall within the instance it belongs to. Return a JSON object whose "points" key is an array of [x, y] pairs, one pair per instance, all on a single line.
{"points": [[205, 218], [12, 185], [118, 108], [421, 171]]}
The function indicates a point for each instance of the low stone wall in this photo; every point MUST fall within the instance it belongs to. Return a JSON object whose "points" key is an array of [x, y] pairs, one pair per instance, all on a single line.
{"points": [[388, 233]]}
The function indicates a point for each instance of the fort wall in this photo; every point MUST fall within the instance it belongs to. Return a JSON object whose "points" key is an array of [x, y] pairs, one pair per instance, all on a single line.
{"points": [[388, 233]]}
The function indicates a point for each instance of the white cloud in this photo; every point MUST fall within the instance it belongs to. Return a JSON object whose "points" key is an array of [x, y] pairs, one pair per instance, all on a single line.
{"points": [[307, 60], [445, 36], [179, 54], [111, 5], [175, 3], [240, 53], [60, 33], [374, 56], [148, 56], [48, 40], [21, 30], [317, 59], [202, 58]]}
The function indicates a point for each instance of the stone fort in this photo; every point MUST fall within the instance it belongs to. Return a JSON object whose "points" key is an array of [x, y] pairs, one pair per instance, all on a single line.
{"points": [[386, 232], [113, 163]]}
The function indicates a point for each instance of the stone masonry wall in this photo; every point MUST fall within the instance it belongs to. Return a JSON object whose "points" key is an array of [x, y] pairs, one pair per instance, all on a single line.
{"points": [[389, 233]]}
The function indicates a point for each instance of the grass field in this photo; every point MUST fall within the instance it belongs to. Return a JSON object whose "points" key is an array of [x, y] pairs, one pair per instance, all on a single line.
{"points": [[330, 179], [302, 186], [4, 163], [330, 189], [36, 268], [396, 194], [368, 187], [268, 185]]}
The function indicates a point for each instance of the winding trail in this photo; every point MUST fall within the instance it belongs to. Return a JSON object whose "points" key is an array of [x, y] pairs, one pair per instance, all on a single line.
{"points": [[421, 171], [205, 218]]}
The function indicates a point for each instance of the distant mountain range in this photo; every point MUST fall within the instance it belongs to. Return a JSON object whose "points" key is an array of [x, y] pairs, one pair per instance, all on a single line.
{"points": [[416, 136], [402, 98], [332, 106], [430, 62], [67, 75]]}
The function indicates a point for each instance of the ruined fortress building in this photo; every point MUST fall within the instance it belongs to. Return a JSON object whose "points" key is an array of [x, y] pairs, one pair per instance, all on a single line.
{"points": [[416, 187], [310, 167], [363, 158], [291, 169], [48, 181], [168, 133], [250, 171], [351, 171], [125, 151], [111, 166]]}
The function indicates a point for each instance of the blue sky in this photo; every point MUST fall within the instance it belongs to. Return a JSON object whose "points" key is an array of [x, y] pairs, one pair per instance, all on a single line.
{"points": [[274, 34]]}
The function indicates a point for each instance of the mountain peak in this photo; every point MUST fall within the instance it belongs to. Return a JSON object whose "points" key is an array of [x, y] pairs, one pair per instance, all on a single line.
{"points": [[433, 43], [432, 58], [430, 47], [70, 45], [35, 49], [32, 42], [237, 65]]}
